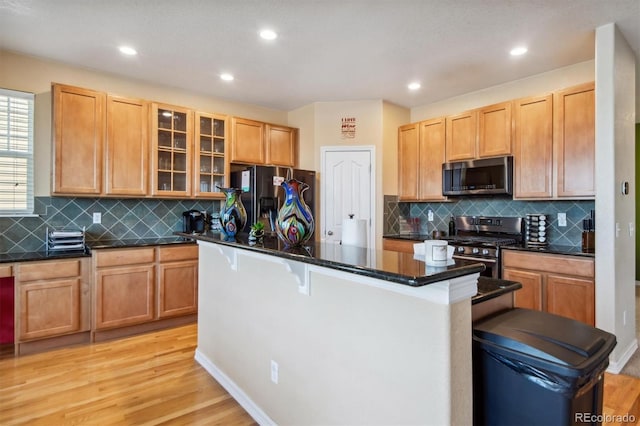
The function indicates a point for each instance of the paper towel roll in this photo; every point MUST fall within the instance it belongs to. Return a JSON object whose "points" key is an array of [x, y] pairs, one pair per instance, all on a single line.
{"points": [[354, 232]]}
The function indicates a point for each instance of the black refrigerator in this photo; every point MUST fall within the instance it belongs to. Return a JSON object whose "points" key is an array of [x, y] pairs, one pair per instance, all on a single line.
{"points": [[262, 195]]}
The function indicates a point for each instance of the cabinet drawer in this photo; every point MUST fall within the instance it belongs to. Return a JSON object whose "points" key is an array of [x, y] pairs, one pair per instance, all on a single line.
{"points": [[118, 257], [6, 271], [398, 245], [179, 252], [32, 271], [561, 264]]}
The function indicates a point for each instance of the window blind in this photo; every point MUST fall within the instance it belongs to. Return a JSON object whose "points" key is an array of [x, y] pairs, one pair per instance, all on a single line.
{"points": [[16, 152]]}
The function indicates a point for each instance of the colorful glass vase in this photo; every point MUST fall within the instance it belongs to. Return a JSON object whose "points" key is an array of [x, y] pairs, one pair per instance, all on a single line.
{"points": [[233, 216], [294, 225]]}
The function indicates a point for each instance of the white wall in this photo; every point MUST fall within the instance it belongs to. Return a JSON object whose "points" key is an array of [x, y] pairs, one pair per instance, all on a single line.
{"points": [[615, 163]]}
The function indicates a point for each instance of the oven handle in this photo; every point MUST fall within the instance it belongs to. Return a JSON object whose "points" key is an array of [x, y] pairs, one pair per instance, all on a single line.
{"points": [[475, 259]]}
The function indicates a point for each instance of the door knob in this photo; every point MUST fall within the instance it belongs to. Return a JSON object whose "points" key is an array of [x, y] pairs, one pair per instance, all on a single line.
{"points": [[329, 232]]}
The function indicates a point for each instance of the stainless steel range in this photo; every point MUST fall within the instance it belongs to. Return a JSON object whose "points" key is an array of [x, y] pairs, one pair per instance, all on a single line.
{"points": [[479, 238]]}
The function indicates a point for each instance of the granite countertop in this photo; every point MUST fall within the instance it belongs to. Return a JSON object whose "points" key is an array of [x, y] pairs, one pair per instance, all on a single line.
{"points": [[551, 248], [489, 288], [392, 266], [94, 245]]}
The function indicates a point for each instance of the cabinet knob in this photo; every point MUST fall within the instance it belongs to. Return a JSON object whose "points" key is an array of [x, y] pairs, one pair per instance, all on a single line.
{"points": [[329, 232]]}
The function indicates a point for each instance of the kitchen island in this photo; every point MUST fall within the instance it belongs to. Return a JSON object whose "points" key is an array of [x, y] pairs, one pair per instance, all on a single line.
{"points": [[331, 334]]}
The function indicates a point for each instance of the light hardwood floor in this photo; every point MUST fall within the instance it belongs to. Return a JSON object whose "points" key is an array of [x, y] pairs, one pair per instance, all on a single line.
{"points": [[152, 379]]}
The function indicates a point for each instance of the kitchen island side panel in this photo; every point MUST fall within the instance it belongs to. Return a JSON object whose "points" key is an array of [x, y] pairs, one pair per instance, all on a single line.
{"points": [[347, 353]]}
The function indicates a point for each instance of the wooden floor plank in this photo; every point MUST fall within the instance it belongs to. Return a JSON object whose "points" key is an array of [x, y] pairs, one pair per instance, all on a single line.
{"points": [[152, 379]]}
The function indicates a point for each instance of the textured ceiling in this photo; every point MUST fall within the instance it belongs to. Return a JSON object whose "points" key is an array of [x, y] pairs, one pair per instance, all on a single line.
{"points": [[328, 50]]}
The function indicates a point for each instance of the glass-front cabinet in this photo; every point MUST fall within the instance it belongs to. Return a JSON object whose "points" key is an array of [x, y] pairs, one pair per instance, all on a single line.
{"points": [[210, 160], [172, 150]]}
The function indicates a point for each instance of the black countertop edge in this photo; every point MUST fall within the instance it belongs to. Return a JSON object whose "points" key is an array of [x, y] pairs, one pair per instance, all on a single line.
{"points": [[95, 245], [551, 248], [330, 256], [490, 288]]}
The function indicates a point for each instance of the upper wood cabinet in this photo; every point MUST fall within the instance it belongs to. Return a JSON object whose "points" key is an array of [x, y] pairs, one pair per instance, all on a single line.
{"points": [[281, 145], [255, 142], [494, 130], [78, 133], [172, 150], [533, 147], [461, 136], [127, 147], [574, 140], [210, 159], [408, 161], [247, 144]]}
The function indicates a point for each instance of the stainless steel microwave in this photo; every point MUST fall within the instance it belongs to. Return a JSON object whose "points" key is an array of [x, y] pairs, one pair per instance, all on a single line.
{"points": [[485, 176]]}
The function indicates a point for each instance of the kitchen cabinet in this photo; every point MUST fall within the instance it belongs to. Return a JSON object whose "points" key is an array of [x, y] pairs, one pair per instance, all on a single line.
{"points": [[248, 144], [53, 298], [421, 152], [281, 145], [461, 133], [124, 281], [127, 147], [559, 284], [405, 246], [533, 150], [211, 145], [494, 130], [78, 139], [177, 281], [255, 142], [172, 146], [574, 140]]}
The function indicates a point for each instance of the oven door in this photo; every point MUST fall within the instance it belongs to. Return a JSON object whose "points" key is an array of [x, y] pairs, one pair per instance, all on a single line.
{"points": [[491, 267]]}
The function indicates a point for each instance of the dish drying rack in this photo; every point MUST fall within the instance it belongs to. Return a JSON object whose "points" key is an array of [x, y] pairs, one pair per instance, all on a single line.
{"points": [[65, 240]]}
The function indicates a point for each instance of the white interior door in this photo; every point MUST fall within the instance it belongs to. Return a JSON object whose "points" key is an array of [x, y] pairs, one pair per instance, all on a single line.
{"points": [[347, 188]]}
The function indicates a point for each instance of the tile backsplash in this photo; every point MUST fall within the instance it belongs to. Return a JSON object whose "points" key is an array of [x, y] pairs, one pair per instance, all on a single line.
{"points": [[121, 219], [396, 214]]}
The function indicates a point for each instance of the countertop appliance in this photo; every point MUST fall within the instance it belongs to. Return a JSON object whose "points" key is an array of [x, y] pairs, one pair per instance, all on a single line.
{"points": [[485, 176], [194, 222], [262, 195], [479, 238]]}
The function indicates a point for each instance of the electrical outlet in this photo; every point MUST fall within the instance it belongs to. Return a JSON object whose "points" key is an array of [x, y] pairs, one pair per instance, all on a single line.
{"points": [[97, 217], [274, 372], [562, 219], [430, 216]]}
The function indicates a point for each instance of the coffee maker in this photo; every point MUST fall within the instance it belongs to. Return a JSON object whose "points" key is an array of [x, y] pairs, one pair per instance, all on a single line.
{"points": [[194, 222]]}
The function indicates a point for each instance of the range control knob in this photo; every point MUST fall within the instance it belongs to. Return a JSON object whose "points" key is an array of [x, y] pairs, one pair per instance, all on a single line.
{"points": [[460, 249], [475, 250], [485, 252]]}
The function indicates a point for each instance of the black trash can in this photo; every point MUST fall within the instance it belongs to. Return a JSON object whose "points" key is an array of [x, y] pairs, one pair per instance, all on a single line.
{"points": [[536, 368]]}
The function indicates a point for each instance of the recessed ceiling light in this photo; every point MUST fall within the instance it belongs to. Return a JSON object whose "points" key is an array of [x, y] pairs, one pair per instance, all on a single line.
{"points": [[517, 51], [268, 34], [226, 77], [414, 86], [129, 51]]}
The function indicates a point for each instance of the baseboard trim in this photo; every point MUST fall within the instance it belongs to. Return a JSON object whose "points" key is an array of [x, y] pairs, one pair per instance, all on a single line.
{"points": [[617, 366], [230, 386]]}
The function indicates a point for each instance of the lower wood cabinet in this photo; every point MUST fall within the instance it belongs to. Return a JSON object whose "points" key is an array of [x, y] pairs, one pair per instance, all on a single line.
{"points": [[560, 284], [53, 298], [177, 281]]}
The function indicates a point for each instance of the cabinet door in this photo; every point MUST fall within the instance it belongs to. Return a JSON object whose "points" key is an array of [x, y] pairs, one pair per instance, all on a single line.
{"points": [[49, 308], [571, 297], [247, 144], [78, 131], [281, 145], [127, 147], [210, 165], [530, 295], [494, 130], [432, 155], [461, 136], [172, 144], [177, 288], [574, 138], [408, 161], [533, 153], [124, 296]]}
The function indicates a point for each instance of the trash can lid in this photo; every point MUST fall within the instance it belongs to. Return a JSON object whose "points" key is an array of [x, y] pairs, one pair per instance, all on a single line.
{"points": [[546, 336]]}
